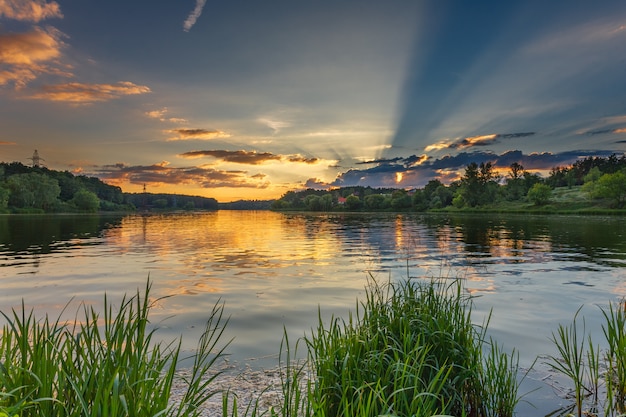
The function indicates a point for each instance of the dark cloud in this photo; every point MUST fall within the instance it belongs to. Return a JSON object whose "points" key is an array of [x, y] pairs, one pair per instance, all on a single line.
{"points": [[380, 161], [162, 173], [302, 159], [249, 157], [486, 140], [605, 131], [450, 167], [240, 157], [316, 184]]}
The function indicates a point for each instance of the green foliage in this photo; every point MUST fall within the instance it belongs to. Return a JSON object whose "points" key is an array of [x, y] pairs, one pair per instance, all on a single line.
{"points": [[615, 332], [582, 363], [33, 190], [411, 350], [100, 365], [539, 194], [612, 186], [86, 201], [479, 184], [478, 189], [4, 197], [353, 202], [376, 202], [400, 200]]}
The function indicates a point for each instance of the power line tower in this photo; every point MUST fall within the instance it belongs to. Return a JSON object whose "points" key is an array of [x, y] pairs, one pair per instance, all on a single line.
{"points": [[36, 159]]}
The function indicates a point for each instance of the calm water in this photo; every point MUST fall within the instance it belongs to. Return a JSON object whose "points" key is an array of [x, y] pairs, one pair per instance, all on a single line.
{"points": [[274, 270]]}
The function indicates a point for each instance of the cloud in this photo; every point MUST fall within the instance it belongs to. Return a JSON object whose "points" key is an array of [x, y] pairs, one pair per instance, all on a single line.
{"points": [[30, 10], [160, 115], [240, 157], [380, 161], [605, 131], [197, 134], [481, 140], [301, 159], [250, 157], [450, 167], [316, 184], [162, 173], [4, 142], [473, 141], [80, 93], [24, 56], [275, 125], [194, 15]]}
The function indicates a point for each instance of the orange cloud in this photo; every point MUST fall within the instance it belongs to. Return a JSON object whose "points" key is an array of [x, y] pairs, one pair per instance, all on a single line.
{"points": [[160, 114], [29, 10], [79, 93], [25, 55], [162, 174], [3, 142], [197, 134]]}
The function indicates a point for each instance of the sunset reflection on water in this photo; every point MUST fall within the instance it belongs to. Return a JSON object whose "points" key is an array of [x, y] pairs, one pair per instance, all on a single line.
{"points": [[274, 270]]}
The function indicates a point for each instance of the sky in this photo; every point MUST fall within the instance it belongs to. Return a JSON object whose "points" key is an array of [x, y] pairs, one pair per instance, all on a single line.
{"points": [[248, 99]]}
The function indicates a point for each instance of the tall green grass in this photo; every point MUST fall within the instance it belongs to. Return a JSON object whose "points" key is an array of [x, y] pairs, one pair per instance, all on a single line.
{"points": [[598, 378], [410, 349], [100, 365]]}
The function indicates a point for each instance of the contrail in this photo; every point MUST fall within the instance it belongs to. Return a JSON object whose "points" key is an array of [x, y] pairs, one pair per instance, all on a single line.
{"points": [[194, 15]]}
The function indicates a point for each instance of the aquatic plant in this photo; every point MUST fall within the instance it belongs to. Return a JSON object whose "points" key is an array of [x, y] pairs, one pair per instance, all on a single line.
{"points": [[410, 349], [100, 365], [596, 378]]}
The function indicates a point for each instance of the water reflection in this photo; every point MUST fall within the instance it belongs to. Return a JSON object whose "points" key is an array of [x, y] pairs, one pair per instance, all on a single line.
{"points": [[24, 237], [276, 269]]}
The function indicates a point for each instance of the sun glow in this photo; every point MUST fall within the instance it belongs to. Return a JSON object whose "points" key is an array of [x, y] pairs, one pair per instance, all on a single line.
{"points": [[399, 176]]}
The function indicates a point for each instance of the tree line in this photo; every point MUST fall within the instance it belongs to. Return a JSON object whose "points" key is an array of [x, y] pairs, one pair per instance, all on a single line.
{"points": [[25, 189], [480, 185]]}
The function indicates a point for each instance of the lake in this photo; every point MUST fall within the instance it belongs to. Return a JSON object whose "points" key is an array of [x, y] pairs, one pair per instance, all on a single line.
{"points": [[274, 270]]}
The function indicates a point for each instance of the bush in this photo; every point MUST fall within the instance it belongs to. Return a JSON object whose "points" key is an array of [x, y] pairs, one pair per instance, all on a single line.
{"points": [[540, 194], [86, 201]]}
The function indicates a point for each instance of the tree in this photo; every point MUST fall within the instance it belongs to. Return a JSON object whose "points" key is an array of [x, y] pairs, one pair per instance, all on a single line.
{"points": [[400, 199], [86, 201], [478, 185], [515, 182], [33, 190], [375, 201], [540, 194], [313, 202], [612, 186], [353, 202], [4, 197]]}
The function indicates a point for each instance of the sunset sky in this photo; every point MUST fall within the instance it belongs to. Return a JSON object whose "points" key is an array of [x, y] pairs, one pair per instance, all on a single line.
{"points": [[250, 99]]}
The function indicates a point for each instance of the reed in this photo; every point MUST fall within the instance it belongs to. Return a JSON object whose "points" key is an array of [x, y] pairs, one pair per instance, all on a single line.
{"points": [[409, 350], [615, 332], [99, 365]]}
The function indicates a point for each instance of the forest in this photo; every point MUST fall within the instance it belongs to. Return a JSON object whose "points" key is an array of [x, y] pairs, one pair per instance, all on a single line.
{"points": [[600, 182], [25, 189]]}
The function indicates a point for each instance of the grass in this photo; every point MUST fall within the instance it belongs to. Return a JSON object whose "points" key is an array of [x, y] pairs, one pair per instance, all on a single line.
{"points": [[598, 378], [99, 365], [409, 349]]}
